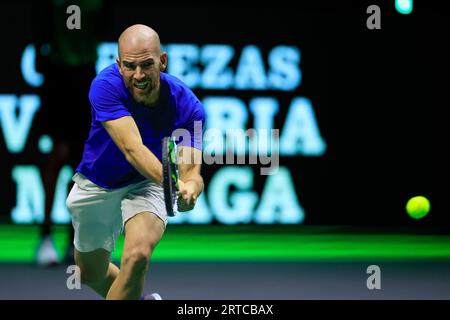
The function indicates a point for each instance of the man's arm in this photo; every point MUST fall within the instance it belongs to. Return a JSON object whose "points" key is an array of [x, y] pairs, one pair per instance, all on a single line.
{"points": [[126, 136], [191, 185]]}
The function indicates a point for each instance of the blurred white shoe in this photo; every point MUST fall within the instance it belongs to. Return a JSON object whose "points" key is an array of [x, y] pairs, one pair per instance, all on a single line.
{"points": [[46, 254], [153, 296]]}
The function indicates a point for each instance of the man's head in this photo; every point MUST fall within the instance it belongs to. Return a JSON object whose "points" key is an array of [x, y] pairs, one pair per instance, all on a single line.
{"points": [[140, 62]]}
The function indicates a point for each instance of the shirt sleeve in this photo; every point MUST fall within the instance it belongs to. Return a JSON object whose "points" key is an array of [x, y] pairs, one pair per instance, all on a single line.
{"points": [[195, 125], [106, 102]]}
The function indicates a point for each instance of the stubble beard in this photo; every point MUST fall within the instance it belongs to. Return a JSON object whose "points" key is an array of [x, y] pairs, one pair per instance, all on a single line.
{"points": [[149, 98]]}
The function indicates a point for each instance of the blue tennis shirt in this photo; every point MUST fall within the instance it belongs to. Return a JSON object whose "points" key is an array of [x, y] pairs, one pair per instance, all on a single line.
{"points": [[103, 163]]}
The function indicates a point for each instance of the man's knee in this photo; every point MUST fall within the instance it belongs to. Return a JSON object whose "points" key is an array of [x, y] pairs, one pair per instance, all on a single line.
{"points": [[142, 234], [137, 258]]}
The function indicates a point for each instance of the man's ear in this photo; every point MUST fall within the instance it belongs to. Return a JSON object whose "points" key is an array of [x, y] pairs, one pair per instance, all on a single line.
{"points": [[118, 64], [163, 60]]}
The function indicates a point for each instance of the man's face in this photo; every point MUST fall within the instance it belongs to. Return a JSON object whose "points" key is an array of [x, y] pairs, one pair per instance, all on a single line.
{"points": [[140, 70]]}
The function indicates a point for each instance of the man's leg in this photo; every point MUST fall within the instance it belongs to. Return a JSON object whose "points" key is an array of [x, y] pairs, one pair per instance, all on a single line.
{"points": [[97, 220], [96, 270], [142, 234]]}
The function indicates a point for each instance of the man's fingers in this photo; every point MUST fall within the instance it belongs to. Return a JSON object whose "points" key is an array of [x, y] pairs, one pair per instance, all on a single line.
{"points": [[187, 198], [186, 194]]}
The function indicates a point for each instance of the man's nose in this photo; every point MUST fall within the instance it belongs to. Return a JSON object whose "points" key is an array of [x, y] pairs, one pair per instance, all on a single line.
{"points": [[138, 75]]}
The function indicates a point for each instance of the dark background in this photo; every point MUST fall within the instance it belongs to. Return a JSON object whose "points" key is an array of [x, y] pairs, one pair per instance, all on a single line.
{"points": [[376, 96]]}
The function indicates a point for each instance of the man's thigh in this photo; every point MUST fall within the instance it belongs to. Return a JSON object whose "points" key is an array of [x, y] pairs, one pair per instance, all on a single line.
{"points": [[96, 215], [142, 233]]}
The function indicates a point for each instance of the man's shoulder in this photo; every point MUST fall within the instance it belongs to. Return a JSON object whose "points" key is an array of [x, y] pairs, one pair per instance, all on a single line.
{"points": [[109, 75], [109, 79], [178, 89], [186, 102]]}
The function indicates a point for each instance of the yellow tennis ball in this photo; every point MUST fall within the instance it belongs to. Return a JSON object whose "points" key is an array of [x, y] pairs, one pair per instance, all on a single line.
{"points": [[418, 207]]}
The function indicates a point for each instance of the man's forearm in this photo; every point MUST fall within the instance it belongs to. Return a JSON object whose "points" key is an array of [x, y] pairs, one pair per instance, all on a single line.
{"points": [[144, 161]]}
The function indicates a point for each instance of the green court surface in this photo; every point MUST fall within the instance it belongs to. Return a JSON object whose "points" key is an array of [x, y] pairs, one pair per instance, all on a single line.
{"points": [[255, 243]]}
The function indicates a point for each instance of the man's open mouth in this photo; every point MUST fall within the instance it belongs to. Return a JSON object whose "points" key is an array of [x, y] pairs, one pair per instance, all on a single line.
{"points": [[141, 85]]}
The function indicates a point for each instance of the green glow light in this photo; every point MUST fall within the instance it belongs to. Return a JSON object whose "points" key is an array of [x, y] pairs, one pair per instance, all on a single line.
{"points": [[233, 244]]}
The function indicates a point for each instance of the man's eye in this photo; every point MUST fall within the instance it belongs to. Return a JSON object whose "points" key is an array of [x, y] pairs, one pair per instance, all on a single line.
{"points": [[147, 64]]}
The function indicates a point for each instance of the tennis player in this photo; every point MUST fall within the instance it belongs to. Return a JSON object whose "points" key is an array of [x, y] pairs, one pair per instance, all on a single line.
{"points": [[118, 184]]}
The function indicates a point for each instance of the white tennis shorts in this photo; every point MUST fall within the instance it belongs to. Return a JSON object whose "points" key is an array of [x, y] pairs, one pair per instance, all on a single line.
{"points": [[99, 214]]}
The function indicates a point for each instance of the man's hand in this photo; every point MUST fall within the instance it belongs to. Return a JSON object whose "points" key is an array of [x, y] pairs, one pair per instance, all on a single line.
{"points": [[191, 182], [187, 195]]}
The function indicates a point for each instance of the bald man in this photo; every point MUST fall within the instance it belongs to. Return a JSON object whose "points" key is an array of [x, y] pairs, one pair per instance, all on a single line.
{"points": [[118, 184]]}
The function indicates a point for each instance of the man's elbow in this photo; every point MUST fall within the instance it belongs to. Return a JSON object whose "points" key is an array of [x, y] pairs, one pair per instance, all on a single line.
{"points": [[131, 151]]}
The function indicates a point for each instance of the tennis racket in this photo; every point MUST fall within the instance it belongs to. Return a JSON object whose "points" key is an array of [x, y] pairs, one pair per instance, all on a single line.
{"points": [[170, 174]]}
